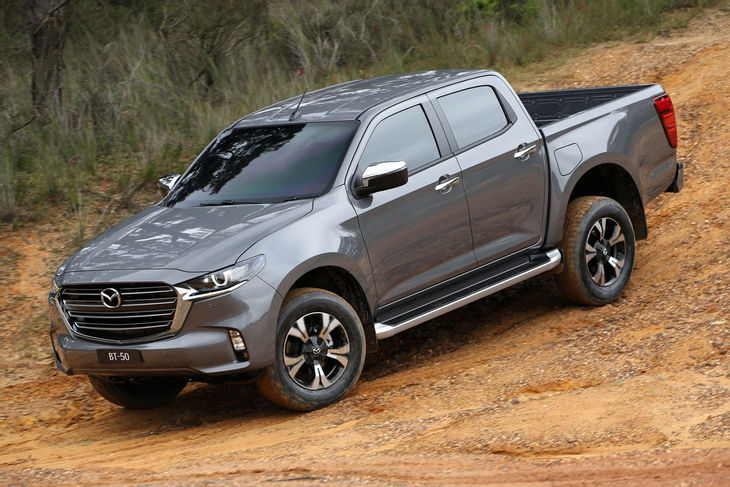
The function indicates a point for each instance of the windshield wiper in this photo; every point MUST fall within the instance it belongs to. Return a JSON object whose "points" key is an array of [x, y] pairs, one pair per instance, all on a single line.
{"points": [[228, 203]]}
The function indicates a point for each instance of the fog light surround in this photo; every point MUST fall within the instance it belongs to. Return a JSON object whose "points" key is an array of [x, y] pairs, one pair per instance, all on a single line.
{"points": [[239, 347]]}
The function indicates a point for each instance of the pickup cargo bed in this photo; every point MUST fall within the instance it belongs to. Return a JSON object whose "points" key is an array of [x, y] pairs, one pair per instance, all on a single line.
{"points": [[546, 107]]}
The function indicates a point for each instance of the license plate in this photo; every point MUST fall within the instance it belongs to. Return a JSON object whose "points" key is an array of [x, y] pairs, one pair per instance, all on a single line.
{"points": [[119, 356]]}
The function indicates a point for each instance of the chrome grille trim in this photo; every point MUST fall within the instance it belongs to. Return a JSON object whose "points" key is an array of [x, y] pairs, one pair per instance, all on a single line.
{"points": [[147, 310]]}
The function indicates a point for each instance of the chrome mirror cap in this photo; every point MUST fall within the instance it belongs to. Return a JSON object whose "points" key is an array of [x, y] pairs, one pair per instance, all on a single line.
{"points": [[166, 183], [381, 176]]}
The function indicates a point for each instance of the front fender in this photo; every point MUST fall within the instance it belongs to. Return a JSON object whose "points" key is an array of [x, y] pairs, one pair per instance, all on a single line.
{"points": [[329, 236]]}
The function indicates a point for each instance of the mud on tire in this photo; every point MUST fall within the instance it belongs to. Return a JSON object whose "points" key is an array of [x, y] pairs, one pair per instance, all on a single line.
{"points": [[320, 351], [598, 251]]}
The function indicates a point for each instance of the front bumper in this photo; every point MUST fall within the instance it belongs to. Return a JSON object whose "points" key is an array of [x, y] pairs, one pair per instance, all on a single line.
{"points": [[201, 347]]}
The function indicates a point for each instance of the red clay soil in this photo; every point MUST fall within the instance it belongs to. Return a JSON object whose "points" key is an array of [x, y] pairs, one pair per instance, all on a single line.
{"points": [[520, 388]]}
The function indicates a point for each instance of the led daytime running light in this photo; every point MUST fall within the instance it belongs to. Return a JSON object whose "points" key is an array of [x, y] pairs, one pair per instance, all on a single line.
{"points": [[222, 281]]}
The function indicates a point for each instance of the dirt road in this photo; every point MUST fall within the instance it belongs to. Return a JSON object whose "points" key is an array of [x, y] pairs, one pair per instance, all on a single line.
{"points": [[518, 388]]}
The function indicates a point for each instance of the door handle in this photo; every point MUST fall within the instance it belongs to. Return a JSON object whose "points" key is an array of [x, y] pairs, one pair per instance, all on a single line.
{"points": [[446, 182], [524, 151]]}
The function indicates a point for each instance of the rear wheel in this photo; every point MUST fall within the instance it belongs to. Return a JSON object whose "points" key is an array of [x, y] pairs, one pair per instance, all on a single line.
{"points": [[320, 351], [598, 251], [137, 394]]}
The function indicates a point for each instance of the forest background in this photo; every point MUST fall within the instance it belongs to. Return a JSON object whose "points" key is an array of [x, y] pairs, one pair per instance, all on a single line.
{"points": [[100, 98]]}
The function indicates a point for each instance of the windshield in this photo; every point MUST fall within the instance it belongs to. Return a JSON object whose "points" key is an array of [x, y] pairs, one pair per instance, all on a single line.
{"points": [[265, 164]]}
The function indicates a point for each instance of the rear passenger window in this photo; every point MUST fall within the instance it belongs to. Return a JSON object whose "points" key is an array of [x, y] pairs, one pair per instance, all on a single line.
{"points": [[405, 136], [473, 114]]}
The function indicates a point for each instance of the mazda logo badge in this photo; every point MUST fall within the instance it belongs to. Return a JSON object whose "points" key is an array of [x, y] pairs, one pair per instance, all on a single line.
{"points": [[111, 298]]}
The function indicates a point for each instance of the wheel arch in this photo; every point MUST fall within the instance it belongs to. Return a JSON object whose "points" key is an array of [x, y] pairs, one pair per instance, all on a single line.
{"points": [[602, 178], [613, 181], [343, 283]]}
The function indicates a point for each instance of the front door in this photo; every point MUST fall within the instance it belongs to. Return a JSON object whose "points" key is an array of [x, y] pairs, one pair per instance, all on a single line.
{"points": [[417, 234]]}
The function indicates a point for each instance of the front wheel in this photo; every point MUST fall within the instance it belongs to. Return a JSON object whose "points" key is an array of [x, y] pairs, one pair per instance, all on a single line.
{"points": [[598, 251], [137, 394], [320, 351]]}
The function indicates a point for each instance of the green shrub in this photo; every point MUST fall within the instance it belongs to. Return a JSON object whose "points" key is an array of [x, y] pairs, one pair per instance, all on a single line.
{"points": [[147, 84]]}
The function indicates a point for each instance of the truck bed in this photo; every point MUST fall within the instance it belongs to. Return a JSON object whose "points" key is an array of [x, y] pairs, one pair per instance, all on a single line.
{"points": [[546, 107]]}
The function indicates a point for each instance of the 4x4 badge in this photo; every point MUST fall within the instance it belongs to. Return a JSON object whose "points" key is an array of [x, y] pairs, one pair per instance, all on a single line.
{"points": [[111, 298]]}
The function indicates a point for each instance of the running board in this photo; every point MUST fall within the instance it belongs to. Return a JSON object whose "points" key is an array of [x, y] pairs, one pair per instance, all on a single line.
{"points": [[388, 330]]}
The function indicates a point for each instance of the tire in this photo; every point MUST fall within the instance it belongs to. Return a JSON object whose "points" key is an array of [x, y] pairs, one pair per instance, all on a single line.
{"points": [[133, 394], [320, 351], [598, 251]]}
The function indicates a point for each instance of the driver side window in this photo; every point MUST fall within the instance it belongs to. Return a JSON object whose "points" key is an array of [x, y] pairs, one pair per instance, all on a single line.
{"points": [[404, 136]]}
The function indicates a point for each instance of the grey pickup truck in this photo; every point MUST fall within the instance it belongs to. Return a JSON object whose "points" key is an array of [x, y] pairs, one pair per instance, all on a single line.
{"points": [[307, 231]]}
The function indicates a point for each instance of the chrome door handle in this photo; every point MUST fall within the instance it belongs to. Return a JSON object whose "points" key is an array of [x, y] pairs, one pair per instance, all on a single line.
{"points": [[523, 151], [447, 183]]}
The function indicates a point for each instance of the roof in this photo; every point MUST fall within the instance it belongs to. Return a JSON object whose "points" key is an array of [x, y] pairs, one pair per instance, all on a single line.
{"points": [[348, 101]]}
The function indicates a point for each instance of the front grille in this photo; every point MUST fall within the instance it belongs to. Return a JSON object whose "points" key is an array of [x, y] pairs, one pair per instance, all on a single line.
{"points": [[145, 310]]}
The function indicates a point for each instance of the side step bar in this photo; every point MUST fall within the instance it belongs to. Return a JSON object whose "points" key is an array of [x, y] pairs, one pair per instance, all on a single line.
{"points": [[388, 330]]}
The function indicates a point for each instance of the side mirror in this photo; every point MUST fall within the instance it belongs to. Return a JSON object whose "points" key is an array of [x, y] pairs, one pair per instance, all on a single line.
{"points": [[166, 183], [381, 176]]}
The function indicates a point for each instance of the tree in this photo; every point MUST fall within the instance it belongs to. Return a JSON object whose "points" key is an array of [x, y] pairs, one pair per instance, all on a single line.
{"points": [[47, 21]]}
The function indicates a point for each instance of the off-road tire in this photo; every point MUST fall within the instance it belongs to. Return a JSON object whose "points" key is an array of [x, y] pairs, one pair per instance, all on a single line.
{"points": [[576, 280], [276, 383], [133, 394]]}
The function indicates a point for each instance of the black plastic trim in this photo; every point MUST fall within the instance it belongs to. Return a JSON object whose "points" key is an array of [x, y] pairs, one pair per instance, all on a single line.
{"points": [[455, 288]]}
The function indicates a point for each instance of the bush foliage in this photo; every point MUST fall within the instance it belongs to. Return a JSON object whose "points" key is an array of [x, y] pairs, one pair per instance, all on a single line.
{"points": [[147, 84]]}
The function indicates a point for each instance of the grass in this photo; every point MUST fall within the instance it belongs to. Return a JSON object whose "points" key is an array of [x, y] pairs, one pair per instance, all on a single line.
{"points": [[147, 84]]}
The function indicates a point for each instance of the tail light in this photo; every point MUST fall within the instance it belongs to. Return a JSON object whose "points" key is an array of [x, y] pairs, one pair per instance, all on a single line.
{"points": [[665, 110]]}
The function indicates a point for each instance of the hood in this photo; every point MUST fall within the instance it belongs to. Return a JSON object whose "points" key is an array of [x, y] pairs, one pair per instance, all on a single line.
{"points": [[197, 239]]}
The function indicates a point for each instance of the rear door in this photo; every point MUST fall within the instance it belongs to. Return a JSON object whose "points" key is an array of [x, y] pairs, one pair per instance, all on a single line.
{"points": [[417, 234], [503, 163]]}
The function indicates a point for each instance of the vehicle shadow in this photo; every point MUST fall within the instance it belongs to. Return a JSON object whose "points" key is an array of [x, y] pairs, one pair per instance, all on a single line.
{"points": [[482, 320], [489, 318], [197, 406]]}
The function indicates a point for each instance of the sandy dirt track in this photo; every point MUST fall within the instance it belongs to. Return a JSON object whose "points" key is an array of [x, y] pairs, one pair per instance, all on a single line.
{"points": [[519, 388]]}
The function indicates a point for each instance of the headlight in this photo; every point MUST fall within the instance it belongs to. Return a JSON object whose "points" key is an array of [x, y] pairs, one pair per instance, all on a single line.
{"points": [[222, 281]]}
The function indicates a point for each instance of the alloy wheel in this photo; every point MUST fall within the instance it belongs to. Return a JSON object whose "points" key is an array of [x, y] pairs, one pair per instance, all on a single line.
{"points": [[605, 251], [316, 350]]}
